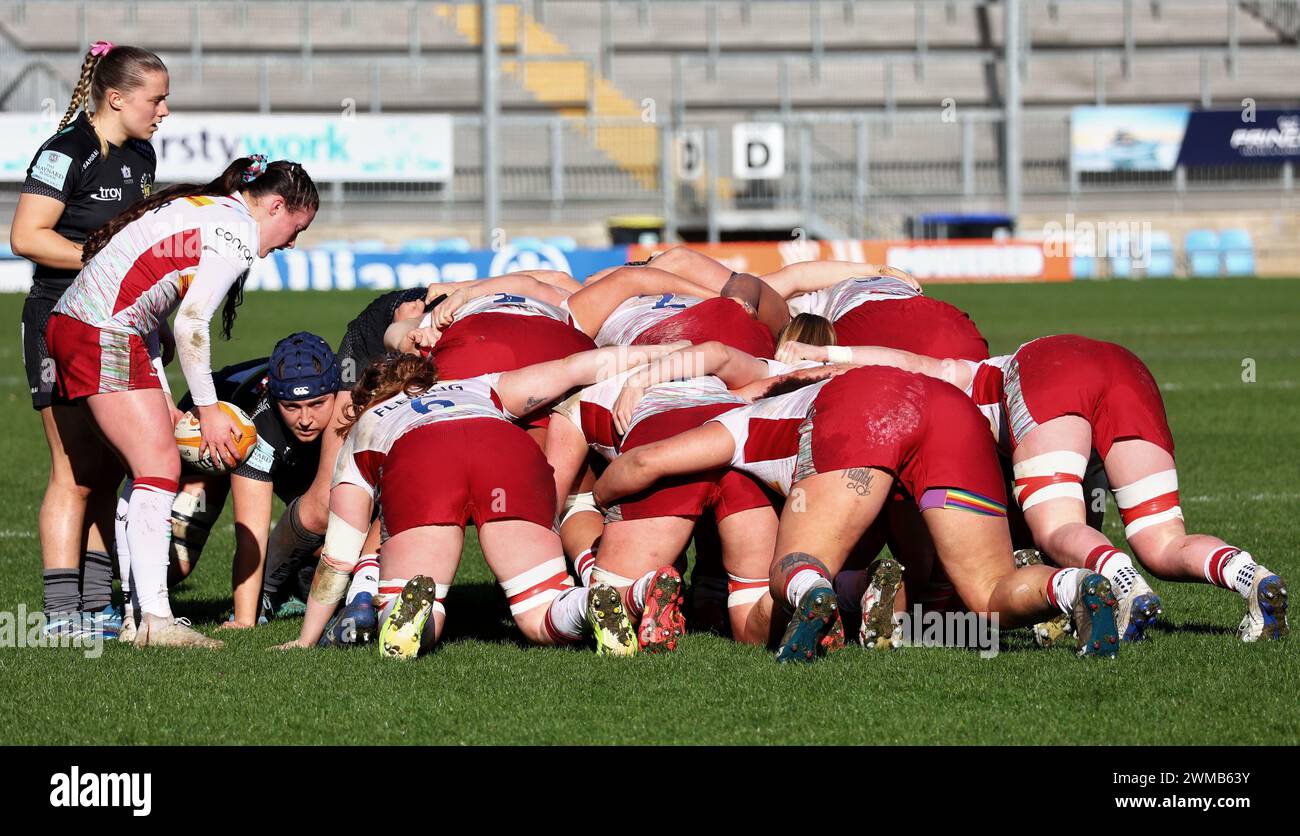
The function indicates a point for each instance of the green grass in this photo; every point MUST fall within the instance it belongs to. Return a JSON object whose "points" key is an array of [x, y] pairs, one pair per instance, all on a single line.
{"points": [[1195, 683]]}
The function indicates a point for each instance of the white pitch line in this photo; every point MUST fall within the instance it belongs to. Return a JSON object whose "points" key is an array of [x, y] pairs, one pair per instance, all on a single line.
{"points": [[10, 534], [1171, 386], [1259, 497]]}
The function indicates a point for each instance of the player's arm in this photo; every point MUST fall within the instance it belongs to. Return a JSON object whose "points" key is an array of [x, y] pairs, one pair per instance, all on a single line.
{"points": [[702, 448], [946, 369], [253, 500], [734, 367], [350, 509], [592, 305], [788, 382], [566, 448], [214, 277], [32, 235], [811, 276], [525, 390]]}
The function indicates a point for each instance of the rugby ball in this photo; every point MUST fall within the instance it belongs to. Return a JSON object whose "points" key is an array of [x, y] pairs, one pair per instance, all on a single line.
{"points": [[189, 440]]}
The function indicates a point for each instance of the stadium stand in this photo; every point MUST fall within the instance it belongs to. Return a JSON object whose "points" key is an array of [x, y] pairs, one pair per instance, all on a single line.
{"points": [[591, 88]]}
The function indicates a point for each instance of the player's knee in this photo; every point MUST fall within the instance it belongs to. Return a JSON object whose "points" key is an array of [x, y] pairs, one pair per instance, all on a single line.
{"points": [[1149, 502], [531, 592], [1057, 475]]}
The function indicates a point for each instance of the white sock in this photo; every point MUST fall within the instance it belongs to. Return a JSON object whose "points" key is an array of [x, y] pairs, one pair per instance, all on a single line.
{"points": [[849, 586], [636, 597], [584, 563], [1065, 587], [365, 578], [801, 582], [390, 589], [1240, 571], [149, 534], [566, 618], [121, 545], [1119, 570]]}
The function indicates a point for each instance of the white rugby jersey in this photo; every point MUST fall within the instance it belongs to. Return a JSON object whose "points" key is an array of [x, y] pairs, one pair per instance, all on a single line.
{"points": [[592, 409], [362, 458], [187, 252], [635, 316], [510, 303], [835, 301], [766, 435]]}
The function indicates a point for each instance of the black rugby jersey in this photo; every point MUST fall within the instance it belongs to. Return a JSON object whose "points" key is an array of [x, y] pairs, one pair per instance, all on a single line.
{"points": [[94, 188], [278, 457], [363, 341]]}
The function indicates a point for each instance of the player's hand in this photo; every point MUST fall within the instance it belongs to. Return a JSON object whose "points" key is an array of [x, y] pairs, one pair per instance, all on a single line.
{"points": [[219, 435], [626, 405], [424, 339], [296, 644], [793, 352], [446, 309], [176, 414]]}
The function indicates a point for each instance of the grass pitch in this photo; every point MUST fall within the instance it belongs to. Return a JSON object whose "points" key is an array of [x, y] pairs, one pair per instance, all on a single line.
{"points": [[1239, 463]]}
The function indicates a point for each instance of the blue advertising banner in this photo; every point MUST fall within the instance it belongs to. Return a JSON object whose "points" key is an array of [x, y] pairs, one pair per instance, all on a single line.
{"points": [[346, 269], [1225, 137]]}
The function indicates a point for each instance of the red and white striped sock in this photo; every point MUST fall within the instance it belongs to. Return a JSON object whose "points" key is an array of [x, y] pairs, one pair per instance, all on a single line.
{"points": [[149, 536], [636, 596], [1231, 568], [583, 564], [1063, 588], [1115, 566]]}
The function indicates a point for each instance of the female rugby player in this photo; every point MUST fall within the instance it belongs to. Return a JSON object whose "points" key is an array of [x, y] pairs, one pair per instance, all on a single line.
{"points": [[187, 249], [93, 168]]}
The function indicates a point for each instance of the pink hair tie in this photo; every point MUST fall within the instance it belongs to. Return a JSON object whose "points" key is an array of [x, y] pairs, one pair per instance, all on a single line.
{"points": [[101, 48]]}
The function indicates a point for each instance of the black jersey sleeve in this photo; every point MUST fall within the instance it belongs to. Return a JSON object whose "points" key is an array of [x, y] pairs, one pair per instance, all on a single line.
{"points": [[56, 169], [263, 462]]}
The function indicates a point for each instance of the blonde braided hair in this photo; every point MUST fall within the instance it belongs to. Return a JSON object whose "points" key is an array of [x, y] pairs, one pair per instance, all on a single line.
{"points": [[107, 66]]}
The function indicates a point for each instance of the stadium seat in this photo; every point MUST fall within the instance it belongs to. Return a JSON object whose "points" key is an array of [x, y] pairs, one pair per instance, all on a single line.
{"points": [[420, 245], [1238, 252], [1083, 267], [452, 245], [370, 245], [1203, 253], [332, 245], [526, 242], [1160, 256]]}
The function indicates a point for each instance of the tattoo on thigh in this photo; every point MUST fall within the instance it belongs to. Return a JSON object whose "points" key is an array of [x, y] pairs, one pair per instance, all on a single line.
{"points": [[794, 561], [532, 403], [858, 480]]}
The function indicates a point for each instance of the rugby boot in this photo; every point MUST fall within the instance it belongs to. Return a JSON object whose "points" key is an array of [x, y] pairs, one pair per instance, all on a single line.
{"points": [[879, 630], [1265, 609], [815, 628], [1094, 618], [609, 622], [399, 635], [661, 618], [156, 631]]}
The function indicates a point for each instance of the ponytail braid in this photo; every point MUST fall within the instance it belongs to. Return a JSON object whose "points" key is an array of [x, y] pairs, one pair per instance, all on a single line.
{"points": [[81, 93]]}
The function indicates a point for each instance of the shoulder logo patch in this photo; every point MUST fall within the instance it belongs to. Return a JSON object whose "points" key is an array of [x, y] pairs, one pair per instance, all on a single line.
{"points": [[51, 168]]}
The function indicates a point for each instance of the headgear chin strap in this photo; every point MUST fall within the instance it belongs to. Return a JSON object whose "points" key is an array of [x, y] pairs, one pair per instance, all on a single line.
{"points": [[303, 366]]}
